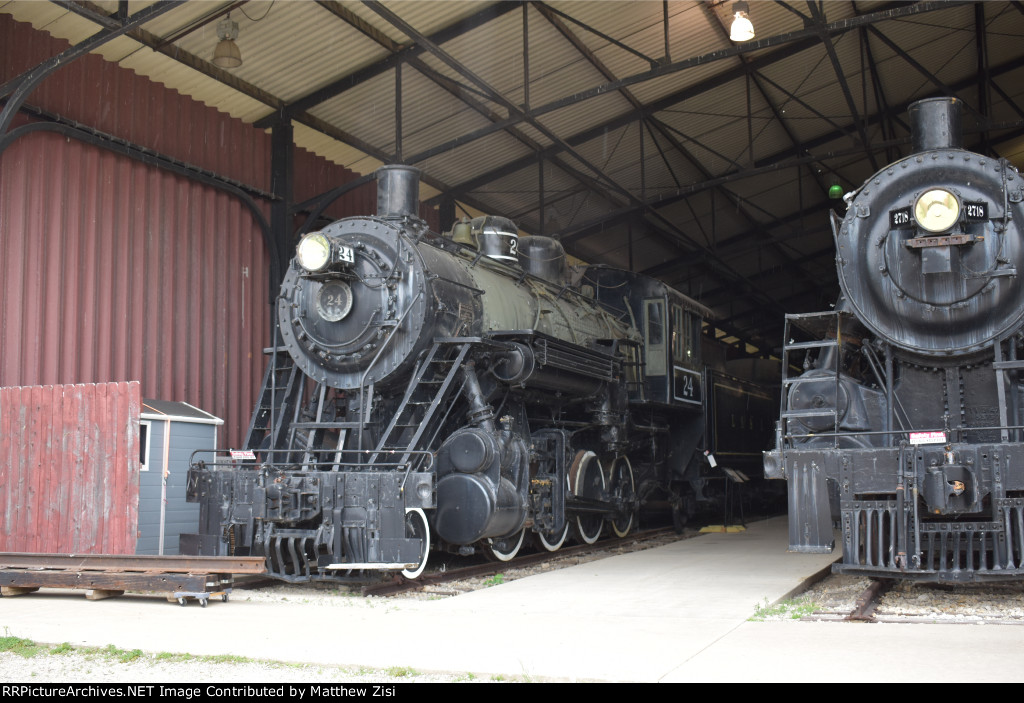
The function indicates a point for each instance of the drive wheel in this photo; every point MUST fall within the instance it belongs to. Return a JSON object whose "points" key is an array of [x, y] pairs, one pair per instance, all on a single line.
{"points": [[416, 527], [623, 490], [504, 548], [588, 482], [553, 541]]}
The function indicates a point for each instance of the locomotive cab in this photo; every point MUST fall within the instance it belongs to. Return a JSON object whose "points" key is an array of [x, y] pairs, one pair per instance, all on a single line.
{"points": [[670, 323], [672, 350]]}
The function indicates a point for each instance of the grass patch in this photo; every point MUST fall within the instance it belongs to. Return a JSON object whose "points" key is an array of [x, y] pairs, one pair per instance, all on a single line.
{"points": [[792, 609], [122, 655], [226, 659], [495, 580], [20, 646], [27, 648], [400, 671], [171, 656]]}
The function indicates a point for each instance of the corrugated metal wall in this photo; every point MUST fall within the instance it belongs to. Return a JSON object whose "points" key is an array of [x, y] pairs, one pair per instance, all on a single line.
{"points": [[69, 468], [114, 271], [111, 270], [117, 101]]}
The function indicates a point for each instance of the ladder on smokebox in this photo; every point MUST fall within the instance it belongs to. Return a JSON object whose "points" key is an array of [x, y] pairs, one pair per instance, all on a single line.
{"points": [[280, 403], [818, 325], [281, 384], [419, 410]]}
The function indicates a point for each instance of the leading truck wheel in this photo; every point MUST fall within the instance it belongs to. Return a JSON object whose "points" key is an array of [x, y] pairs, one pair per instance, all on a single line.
{"points": [[416, 527], [588, 482], [623, 490]]}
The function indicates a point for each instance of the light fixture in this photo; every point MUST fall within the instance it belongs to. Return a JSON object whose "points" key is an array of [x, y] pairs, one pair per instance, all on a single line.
{"points": [[835, 191], [314, 252], [937, 210], [742, 29], [227, 55]]}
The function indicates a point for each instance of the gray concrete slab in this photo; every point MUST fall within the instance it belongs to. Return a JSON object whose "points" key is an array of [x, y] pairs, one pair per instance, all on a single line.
{"points": [[675, 613]]}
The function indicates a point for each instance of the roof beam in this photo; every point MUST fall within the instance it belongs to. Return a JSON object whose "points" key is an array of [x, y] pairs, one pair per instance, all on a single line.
{"points": [[19, 88], [851, 104], [399, 53], [673, 233], [797, 41]]}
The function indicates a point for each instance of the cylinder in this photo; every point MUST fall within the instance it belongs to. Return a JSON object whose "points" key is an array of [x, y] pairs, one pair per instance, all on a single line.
{"points": [[398, 191], [935, 124]]}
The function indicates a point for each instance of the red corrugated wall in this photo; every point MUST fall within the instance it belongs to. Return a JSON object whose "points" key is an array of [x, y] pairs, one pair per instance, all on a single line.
{"points": [[116, 271], [111, 270], [69, 468]]}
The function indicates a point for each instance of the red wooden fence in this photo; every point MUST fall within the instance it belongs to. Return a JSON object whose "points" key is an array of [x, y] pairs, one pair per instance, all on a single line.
{"points": [[69, 468]]}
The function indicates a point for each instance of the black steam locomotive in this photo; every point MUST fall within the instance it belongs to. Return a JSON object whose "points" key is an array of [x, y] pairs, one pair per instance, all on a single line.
{"points": [[906, 423], [460, 391]]}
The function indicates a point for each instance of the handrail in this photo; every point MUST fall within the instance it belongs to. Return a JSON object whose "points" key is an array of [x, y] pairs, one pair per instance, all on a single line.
{"points": [[256, 464], [362, 380]]}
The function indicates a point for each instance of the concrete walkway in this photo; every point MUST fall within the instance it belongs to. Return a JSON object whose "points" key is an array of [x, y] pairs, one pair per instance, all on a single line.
{"points": [[675, 613]]}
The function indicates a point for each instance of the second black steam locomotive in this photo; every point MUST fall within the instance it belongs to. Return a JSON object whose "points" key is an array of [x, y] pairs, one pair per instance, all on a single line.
{"points": [[461, 390], [907, 424]]}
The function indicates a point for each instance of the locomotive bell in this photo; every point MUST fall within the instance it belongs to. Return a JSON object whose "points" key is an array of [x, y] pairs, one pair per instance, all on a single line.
{"points": [[462, 233]]}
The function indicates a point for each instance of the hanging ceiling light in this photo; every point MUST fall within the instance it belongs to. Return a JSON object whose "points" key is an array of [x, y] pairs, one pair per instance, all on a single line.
{"points": [[227, 55], [742, 29]]}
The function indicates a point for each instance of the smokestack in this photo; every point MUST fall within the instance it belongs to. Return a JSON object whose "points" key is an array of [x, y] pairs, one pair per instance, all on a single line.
{"points": [[398, 191], [935, 124]]}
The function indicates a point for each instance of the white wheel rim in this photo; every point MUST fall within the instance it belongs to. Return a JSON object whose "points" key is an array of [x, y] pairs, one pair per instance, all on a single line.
{"points": [[509, 555], [632, 484], [555, 545], [585, 463], [415, 573]]}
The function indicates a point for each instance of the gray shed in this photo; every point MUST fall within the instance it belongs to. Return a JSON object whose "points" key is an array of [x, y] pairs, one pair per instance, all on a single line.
{"points": [[162, 507]]}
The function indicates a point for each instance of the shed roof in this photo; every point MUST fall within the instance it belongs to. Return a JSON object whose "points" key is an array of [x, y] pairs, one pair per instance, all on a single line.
{"points": [[176, 411]]}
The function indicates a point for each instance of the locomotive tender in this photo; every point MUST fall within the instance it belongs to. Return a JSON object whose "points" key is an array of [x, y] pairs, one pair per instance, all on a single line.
{"points": [[906, 424], [459, 391]]}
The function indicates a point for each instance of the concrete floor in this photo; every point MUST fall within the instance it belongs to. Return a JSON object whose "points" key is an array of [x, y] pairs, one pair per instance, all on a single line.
{"points": [[672, 614]]}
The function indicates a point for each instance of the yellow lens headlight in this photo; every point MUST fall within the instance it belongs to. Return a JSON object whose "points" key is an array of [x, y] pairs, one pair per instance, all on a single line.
{"points": [[313, 252], [937, 210]]}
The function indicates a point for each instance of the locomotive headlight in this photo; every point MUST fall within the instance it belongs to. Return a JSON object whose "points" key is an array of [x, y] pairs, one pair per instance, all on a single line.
{"points": [[314, 252], [936, 210]]}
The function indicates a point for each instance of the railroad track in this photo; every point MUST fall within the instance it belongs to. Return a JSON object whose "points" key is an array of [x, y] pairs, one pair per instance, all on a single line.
{"points": [[868, 601], [863, 600]]}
